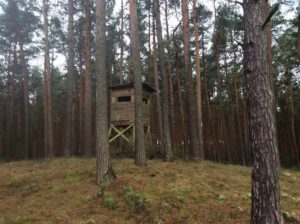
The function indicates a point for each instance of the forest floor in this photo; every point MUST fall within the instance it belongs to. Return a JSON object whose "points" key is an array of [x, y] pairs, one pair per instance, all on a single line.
{"points": [[64, 191]]}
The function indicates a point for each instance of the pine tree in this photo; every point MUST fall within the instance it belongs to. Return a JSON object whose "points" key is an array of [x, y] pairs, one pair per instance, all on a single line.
{"points": [[105, 173], [165, 101], [140, 158], [263, 140]]}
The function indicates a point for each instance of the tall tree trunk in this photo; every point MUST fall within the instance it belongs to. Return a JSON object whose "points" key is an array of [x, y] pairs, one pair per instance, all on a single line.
{"points": [[193, 137], [236, 101], [1, 127], [138, 89], [231, 114], [298, 42], [211, 132], [198, 87], [248, 155], [88, 83], [157, 93], [48, 121], [149, 79], [81, 95], [105, 173], [292, 114], [24, 75], [169, 74], [184, 137], [24, 78], [262, 127], [10, 100], [218, 32], [122, 44], [165, 101], [70, 121]]}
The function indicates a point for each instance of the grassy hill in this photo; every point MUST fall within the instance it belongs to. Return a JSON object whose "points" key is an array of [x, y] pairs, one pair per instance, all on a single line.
{"points": [[64, 191]]}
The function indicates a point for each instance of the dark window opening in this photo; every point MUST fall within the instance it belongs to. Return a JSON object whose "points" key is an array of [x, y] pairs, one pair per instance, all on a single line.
{"points": [[124, 99], [145, 101]]}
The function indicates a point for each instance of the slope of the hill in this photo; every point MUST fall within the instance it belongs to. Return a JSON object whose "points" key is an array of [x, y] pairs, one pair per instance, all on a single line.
{"points": [[64, 191]]}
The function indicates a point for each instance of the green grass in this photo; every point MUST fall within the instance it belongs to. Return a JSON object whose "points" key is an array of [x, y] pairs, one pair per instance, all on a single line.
{"points": [[64, 191]]}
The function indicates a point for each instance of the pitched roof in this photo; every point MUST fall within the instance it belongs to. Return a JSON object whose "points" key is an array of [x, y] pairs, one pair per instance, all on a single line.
{"points": [[131, 85]]}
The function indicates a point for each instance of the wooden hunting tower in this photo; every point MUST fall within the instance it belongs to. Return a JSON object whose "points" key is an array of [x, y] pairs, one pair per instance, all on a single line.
{"points": [[123, 113]]}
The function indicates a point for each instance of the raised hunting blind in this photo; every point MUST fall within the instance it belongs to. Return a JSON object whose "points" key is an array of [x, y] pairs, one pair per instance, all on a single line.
{"points": [[123, 114]]}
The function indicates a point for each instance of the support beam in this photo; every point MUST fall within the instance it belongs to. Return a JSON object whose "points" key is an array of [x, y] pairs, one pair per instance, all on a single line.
{"points": [[120, 133]]}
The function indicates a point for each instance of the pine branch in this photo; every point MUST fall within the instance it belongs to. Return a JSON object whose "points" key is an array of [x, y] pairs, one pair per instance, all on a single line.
{"points": [[273, 10]]}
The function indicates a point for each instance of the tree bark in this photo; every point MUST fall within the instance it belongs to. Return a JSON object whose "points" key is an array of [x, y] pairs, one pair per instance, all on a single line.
{"points": [[70, 119], [262, 127], [105, 173], [198, 87], [165, 101], [88, 83], [48, 121], [193, 137]]}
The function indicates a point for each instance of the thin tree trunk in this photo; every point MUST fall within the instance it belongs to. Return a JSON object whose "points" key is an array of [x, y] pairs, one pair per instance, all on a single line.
{"points": [[122, 44], [198, 87], [169, 75], [24, 75], [1, 127], [292, 115], [24, 79], [220, 117], [105, 173], [149, 79], [70, 121], [231, 113], [193, 137], [183, 128], [246, 129], [81, 95], [138, 89], [48, 121], [209, 113], [11, 144], [236, 102], [262, 125], [165, 101], [10, 100], [298, 41], [157, 93], [88, 83]]}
